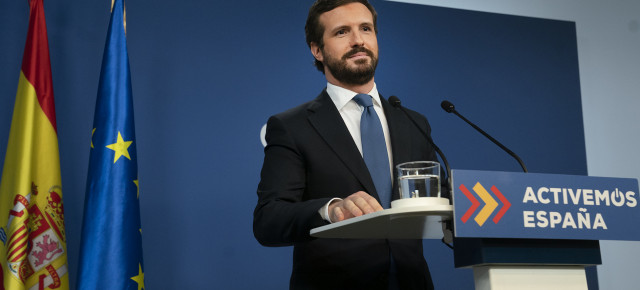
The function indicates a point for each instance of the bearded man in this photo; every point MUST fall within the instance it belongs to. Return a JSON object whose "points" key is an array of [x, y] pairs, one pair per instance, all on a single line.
{"points": [[332, 159]]}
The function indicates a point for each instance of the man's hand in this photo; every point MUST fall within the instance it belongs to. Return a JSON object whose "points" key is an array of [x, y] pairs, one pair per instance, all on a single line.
{"points": [[354, 205]]}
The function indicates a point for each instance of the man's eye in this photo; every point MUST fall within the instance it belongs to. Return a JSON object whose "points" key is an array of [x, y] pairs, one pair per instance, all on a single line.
{"points": [[341, 32]]}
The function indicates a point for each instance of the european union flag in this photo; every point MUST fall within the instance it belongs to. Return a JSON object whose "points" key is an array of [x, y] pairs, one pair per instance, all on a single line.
{"points": [[111, 246]]}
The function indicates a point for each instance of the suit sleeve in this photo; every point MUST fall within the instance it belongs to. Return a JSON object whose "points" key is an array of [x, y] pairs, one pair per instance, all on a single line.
{"points": [[282, 215]]}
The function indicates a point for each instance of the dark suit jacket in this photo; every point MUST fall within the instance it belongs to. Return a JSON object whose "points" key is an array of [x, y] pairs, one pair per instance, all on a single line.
{"points": [[310, 158]]}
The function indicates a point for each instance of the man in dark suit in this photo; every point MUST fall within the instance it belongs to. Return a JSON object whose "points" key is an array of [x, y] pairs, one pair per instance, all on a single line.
{"points": [[314, 172]]}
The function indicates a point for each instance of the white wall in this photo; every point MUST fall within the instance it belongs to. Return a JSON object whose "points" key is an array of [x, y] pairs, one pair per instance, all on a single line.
{"points": [[609, 57]]}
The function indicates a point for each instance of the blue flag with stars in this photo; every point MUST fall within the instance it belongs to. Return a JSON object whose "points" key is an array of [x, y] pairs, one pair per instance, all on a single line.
{"points": [[111, 245]]}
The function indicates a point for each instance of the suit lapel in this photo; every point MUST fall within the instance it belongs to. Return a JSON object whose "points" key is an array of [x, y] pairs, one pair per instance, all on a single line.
{"points": [[326, 119]]}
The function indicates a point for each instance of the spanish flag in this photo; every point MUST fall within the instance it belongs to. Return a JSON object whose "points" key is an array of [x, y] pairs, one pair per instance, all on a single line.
{"points": [[33, 251], [111, 246]]}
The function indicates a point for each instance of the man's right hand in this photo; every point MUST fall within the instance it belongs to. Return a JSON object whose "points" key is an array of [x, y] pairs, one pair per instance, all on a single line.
{"points": [[354, 205]]}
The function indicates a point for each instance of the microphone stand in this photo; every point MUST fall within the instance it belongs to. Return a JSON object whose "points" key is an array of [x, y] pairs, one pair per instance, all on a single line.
{"points": [[449, 108]]}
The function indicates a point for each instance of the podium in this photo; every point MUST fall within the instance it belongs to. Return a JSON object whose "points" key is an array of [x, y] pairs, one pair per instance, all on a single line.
{"points": [[515, 230], [420, 222]]}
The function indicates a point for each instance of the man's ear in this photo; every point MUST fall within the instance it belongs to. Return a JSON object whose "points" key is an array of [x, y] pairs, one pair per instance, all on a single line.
{"points": [[316, 51]]}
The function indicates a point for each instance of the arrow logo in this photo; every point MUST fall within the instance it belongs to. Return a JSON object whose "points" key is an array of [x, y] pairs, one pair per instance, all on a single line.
{"points": [[474, 203], [490, 204]]}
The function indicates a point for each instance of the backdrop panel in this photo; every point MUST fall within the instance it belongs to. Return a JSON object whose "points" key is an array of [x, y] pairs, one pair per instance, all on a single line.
{"points": [[207, 74]]}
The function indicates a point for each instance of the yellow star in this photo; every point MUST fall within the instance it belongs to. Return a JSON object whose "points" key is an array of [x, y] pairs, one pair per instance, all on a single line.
{"points": [[92, 131], [140, 278], [137, 186], [120, 148]]}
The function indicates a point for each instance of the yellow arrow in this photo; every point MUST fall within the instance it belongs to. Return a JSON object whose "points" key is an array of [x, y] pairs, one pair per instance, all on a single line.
{"points": [[490, 204]]}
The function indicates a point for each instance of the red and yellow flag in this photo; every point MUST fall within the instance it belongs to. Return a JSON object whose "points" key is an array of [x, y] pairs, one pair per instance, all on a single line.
{"points": [[33, 252]]}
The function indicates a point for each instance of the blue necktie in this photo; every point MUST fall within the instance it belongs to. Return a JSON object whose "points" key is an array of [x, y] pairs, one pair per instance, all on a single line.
{"points": [[374, 149]]}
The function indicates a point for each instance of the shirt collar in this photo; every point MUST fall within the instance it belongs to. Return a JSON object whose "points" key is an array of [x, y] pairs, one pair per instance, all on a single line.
{"points": [[341, 96]]}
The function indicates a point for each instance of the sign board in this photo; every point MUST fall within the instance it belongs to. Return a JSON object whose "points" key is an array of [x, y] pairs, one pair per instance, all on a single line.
{"points": [[490, 204]]}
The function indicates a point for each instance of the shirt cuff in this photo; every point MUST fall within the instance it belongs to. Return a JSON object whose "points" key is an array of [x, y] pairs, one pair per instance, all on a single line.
{"points": [[324, 211]]}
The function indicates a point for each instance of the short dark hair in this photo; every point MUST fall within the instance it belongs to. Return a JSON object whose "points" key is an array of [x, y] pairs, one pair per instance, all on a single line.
{"points": [[314, 30]]}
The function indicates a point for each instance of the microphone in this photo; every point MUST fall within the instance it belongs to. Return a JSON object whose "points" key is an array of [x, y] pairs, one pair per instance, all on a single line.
{"points": [[395, 102], [450, 108]]}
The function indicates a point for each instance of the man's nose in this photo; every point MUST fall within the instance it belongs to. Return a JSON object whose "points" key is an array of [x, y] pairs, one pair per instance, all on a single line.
{"points": [[356, 39]]}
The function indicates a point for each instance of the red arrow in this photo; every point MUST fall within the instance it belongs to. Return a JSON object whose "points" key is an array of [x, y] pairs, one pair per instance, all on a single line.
{"points": [[504, 200], [474, 203]]}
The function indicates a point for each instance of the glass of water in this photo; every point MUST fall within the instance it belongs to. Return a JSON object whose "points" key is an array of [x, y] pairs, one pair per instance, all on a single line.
{"points": [[419, 179]]}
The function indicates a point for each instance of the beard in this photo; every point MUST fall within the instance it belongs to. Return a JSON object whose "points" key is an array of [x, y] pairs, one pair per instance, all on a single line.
{"points": [[361, 74]]}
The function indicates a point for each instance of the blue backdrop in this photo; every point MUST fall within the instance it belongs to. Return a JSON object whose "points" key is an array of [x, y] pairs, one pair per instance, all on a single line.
{"points": [[207, 74]]}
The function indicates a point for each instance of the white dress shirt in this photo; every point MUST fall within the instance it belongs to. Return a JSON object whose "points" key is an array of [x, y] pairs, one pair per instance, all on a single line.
{"points": [[351, 113]]}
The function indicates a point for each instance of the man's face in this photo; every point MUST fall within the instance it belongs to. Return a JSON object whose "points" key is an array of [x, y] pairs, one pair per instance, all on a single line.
{"points": [[350, 52]]}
